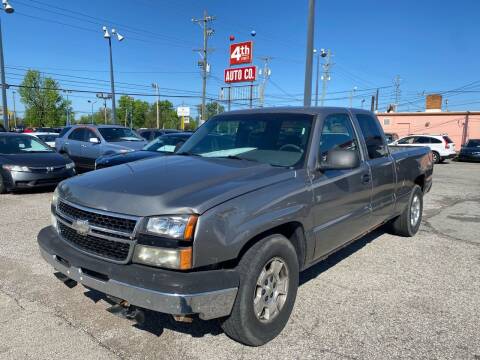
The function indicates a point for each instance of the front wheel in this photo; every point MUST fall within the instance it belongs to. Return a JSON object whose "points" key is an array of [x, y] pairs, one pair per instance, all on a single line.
{"points": [[268, 287], [408, 223], [3, 188]]}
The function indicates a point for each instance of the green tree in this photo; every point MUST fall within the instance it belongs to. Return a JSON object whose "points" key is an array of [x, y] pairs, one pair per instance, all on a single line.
{"points": [[44, 104], [131, 110], [212, 108]]}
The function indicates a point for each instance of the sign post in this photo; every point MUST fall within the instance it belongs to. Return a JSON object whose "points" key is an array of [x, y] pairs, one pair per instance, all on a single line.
{"points": [[183, 111]]}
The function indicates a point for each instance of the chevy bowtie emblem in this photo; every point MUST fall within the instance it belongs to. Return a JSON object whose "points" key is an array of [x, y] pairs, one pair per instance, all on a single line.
{"points": [[81, 226]]}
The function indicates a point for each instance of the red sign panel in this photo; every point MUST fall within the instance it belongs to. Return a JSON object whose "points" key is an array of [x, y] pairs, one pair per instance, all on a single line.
{"points": [[243, 74], [241, 53]]}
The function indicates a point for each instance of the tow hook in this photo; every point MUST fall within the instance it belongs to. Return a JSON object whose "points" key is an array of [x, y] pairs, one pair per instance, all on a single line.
{"points": [[126, 311], [70, 283], [183, 318]]}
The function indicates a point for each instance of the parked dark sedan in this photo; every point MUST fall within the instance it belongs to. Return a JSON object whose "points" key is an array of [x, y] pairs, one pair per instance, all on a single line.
{"points": [[164, 145], [27, 162], [152, 134], [470, 151]]}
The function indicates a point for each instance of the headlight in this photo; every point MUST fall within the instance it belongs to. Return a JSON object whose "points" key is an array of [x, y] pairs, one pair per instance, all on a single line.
{"points": [[55, 197], [179, 227], [16, 168], [180, 259], [70, 166]]}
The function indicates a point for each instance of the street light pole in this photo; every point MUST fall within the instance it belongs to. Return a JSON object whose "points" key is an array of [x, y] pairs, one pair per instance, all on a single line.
{"points": [[107, 36], [307, 96], [92, 103], [9, 10]]}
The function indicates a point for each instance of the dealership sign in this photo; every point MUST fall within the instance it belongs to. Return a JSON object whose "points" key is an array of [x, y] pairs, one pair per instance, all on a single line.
{"points": [[241, 53], [233, 75]]}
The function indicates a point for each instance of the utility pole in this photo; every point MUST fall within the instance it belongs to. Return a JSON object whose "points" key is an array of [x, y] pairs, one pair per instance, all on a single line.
{"points": [[14, 110], [397, 92], [326, 73], [9, 10], [207, 32], [157, 90], [352, 95], [104, 97], [265, 73], [376, 99], [68, 106], [307, 96]]}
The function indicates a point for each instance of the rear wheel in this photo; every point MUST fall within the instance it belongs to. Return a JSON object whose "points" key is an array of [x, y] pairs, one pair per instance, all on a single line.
{"points": [[408, 223], [436, 157], [268, 287]]}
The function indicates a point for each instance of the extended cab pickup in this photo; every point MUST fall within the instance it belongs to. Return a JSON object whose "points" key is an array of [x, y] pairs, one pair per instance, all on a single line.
{"points": [[223, 228]]}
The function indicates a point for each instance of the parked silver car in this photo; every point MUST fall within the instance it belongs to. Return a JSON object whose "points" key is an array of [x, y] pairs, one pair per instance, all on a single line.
{"points": [[85, 143]]}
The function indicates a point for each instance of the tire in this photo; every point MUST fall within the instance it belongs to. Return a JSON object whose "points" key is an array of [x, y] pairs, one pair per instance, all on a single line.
{"points": [[436, 157], [3, 188], [244, 325], [408, 223]]}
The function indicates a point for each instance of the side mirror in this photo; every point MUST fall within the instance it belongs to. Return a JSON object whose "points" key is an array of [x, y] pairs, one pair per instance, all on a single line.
{"points": [[94, 140], [340, 160], [178, 146]]}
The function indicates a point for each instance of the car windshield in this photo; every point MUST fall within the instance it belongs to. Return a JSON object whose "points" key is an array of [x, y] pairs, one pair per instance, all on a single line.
{"points": [[165, 144], [473, 143], [119, 134], [22, 145], [275, 139], [48, 138]]}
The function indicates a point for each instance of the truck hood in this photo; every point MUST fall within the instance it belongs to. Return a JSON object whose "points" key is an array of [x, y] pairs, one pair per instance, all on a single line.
{"points": [[170, 185]]}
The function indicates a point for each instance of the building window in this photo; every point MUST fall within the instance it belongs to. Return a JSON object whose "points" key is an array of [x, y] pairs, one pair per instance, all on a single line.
{"points": [[386, 121]]}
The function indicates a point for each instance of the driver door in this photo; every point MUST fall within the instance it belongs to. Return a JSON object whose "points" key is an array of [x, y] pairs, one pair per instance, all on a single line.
{"points": [[90, 150], [341, 206]]}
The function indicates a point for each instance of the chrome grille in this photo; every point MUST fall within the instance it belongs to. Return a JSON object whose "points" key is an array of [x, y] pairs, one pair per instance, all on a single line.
{"points": [[101, 234]]}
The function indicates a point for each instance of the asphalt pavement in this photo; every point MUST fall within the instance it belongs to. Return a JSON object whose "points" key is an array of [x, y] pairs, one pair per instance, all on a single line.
{"points": [[383, 297]]}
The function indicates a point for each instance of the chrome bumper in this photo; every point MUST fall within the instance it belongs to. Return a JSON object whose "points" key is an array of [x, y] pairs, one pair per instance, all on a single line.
{"points": [[209, 305]]}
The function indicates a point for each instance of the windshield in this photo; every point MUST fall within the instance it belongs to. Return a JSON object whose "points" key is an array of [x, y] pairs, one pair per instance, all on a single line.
{"points": [[119, 134], [166, 144], [473, 143], [47, 138], [22, 145], [275, 139]]}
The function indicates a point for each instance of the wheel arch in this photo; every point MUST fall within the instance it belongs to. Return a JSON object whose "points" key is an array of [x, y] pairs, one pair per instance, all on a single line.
{"points": [[293, 230]]}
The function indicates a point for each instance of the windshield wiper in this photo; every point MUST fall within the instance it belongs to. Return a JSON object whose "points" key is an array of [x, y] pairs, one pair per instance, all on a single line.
{"points": [[236, 157]]}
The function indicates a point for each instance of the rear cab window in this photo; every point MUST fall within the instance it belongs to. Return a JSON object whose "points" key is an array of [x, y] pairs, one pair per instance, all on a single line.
{"points": [[373, 136]]}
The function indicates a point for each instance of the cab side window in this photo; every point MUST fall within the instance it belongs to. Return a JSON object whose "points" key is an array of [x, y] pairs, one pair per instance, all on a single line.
{"points": [[337, 133], [373, 135], [77, 134]]}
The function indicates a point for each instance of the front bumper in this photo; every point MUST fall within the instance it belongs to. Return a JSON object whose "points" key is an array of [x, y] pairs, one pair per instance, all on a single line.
{"points": [[210, 294], [468, 157], [449, 156], [26, 180]]}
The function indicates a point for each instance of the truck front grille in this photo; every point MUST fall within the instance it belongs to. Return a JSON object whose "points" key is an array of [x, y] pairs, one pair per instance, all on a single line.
{"points": [[108, 249], [105, 235], [100, 220]]}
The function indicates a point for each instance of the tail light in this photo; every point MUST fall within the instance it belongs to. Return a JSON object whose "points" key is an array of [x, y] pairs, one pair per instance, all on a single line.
{"points": [[447, 145]]}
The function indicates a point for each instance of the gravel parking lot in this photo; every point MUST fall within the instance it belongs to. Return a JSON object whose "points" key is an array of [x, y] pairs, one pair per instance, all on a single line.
{"points": [[382, 297]]}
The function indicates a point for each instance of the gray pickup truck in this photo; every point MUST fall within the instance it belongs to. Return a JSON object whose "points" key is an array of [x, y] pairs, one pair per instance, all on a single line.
{"points": [[223, 228]]}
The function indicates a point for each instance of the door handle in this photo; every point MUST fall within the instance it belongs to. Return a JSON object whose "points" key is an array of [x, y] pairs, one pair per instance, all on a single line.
{"points": [[366, 178]]}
